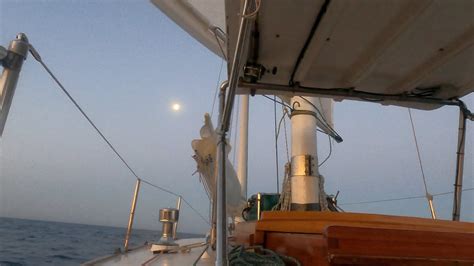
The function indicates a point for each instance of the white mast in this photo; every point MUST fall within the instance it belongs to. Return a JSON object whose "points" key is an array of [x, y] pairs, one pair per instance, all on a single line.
{"points": [[304, 161], [242, 156]]}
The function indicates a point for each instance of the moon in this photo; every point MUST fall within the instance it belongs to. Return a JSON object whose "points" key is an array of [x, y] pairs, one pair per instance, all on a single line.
{"points": [[176, 107]]}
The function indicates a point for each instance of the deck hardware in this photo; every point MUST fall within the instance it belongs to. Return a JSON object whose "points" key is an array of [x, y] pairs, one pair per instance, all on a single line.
{"points": [[168, 217], [254, 72], [302, 165]]}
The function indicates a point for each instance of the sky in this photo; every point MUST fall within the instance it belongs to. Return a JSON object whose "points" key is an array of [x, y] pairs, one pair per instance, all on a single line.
{"points": [[126, 63]]}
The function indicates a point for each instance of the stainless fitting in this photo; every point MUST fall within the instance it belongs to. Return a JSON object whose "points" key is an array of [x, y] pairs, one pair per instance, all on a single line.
{"points": [[302, 165], [168, 217]]}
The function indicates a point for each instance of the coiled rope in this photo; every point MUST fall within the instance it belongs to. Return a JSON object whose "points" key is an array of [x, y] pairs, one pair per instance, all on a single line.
{"points": [[257, 255]]}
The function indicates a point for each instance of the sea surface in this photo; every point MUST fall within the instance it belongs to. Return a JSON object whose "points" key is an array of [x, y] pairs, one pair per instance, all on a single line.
{"points": [[29, 242]]}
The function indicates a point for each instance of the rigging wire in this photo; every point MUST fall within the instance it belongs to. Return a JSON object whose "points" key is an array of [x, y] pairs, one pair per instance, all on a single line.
{"points": [[282, 120], [418, 151], [38, 58], [285, 112], [217, 88], [214, 30], [323, 121], [330, 152], [177, 195], [281, 103], [276, 142], [427, 194], [404, 198], [234, 147]]}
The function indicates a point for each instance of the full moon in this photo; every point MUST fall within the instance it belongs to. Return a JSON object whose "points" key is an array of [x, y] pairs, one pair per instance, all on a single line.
{"points": [[176, 107]]}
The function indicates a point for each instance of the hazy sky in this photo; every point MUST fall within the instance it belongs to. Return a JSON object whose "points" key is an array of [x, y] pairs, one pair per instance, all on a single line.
{"points": [[126, 63]]}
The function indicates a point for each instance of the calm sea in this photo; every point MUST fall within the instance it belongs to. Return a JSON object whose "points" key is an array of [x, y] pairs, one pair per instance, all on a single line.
{"points": [[28, 242]]}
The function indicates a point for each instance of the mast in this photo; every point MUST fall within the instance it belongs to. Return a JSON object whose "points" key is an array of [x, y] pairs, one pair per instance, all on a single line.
{"points": [[242, 155], [304, 161]]}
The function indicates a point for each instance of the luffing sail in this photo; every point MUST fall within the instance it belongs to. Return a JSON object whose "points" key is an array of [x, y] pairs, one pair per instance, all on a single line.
{"points": [[205, 150]]}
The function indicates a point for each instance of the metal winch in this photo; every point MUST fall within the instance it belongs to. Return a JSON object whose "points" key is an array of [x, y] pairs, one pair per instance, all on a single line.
{"points": [[169, 218]]}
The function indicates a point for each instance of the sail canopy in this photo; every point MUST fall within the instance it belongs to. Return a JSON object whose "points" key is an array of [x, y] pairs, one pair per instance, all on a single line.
{"points": [[416, 47]]}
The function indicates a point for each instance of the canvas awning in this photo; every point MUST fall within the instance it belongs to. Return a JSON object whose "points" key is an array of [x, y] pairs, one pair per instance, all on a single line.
{"points": [[419, 47]]}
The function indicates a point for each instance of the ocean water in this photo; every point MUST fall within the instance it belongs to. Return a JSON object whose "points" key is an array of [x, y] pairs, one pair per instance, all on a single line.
{"points": [[29, 242]]}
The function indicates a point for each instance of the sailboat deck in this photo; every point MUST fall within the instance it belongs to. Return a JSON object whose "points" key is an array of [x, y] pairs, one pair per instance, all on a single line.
{"points": [[365, 239], [143, 256]]}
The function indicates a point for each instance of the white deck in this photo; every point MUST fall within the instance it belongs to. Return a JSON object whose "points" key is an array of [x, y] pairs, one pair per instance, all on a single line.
{"points": [[143, 256]]}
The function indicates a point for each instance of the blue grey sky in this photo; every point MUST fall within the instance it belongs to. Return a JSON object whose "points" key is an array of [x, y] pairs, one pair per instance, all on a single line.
{"points": [[126, 63]]}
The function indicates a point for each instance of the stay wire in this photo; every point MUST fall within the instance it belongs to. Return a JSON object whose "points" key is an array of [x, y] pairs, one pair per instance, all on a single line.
{"points": [[281, 103], [276, 143], [177, 195], [38, 58], [285, 112], [418, 153], [214, 30], [283, 121], [196, 211], [330, 152], [160, 188], [217, 88], [404, 198]]}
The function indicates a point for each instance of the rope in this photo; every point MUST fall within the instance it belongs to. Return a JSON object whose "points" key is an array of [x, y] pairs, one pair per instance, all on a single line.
{"points": [[286, 136], [276, 144], [323, 201], [257, 255], [37, 56], [405, 198], [284, 202], [254, 13]]}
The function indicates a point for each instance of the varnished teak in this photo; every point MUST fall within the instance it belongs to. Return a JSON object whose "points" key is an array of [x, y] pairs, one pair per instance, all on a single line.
{"points": [[328, 238]]}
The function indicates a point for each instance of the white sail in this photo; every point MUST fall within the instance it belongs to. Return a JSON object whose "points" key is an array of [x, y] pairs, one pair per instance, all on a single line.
{"points": [[205, 150], [199, 18]]}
